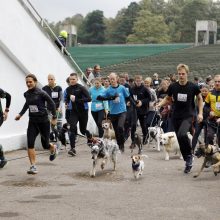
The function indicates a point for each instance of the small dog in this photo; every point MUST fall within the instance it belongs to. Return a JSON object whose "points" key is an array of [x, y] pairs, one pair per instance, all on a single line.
{"points": [[138, 165], [170, 143], [109, 133], [103, 150], [137, 142], [155, 134], [58, 135], [211, 156]]}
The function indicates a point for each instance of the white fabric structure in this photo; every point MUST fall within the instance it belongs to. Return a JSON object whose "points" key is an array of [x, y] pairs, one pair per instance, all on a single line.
{"points": [[25, 48]]}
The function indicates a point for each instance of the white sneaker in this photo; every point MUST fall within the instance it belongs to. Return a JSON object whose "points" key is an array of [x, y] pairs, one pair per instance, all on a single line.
{"points": [[32, 170]]}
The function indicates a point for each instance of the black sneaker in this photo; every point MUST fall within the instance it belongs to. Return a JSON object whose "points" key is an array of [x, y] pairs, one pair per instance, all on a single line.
{"points": [[72, 152], [54, 154], [122, 148], [187, 169], [3, 163]]}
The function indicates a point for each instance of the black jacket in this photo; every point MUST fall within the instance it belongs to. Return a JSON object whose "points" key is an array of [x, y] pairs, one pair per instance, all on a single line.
{"points": [[143, 94], [81, 97], [36, 100]]}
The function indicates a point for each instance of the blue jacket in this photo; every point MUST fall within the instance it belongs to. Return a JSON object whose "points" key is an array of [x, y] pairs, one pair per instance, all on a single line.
{"points": [[118, 105], [96, 104]]}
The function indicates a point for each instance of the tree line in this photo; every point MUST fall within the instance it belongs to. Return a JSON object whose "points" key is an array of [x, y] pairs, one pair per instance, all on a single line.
{"points": [[149, 21]]}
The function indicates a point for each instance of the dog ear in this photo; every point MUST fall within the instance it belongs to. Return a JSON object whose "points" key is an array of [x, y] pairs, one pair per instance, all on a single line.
{"points": [[110, 124], [171, 136]]}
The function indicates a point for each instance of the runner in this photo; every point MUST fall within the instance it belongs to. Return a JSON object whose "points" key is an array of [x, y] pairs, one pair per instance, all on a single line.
{"points": [[38, 120], [3, 117]]}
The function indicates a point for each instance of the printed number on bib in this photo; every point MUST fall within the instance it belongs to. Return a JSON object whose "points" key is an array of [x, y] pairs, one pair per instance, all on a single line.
{"points": [[54, 95], [181, 97], [33, 108], [98, 105], [217, 105]]}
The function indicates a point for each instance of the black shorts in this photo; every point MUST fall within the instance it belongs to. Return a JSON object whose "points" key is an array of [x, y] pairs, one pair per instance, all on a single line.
{"points": [[35, 128]]}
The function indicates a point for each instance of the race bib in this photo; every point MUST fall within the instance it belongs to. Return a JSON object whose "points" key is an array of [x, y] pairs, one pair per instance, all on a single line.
{"points": [[98, 105], [54, 95], [181, 97], [217, 105], [33, 108], [116, 100]]}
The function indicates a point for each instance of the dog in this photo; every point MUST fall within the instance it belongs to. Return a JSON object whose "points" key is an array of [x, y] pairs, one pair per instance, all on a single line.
{"points": [[137, 142], [154, 133], [170, 143], [103, 150], [138, 165], [109, 133], [59, 135], [211, 156]]}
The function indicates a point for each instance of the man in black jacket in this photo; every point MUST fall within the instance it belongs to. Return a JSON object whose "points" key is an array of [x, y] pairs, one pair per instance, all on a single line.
{"points": [[55, 92], [79, 97], [141, 96], [3, 117]]}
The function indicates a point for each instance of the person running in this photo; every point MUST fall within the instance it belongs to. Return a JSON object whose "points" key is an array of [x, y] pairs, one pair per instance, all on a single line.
{"points": [[99, 109], [212, 102], [182, 94], [38, 120], [3, 117], [79, 98], [141, 96], [55, 92], [116, 94]]}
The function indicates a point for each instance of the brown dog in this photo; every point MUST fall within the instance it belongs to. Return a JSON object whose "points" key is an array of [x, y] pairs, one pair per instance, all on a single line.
{"points": [[212, 155], [109, 133]]}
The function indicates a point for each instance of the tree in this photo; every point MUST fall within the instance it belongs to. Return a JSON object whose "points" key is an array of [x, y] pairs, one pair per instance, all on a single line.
{"points": [[193, 10], [149, 28], [92, 29], [123, 24]]}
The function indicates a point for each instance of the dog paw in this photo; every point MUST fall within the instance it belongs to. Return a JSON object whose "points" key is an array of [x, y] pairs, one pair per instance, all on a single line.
{"points": [[195, 176], [167, 158]]}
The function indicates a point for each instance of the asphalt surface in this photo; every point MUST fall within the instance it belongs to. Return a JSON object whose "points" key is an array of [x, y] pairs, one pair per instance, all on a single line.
{"points": [[63, 189]]}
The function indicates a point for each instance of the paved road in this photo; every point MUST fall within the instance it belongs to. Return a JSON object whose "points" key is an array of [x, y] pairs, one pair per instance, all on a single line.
{"points": [[63, 189]]}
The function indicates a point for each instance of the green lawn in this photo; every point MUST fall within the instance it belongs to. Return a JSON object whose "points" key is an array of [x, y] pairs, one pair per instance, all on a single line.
{"points": [[106, 55]]}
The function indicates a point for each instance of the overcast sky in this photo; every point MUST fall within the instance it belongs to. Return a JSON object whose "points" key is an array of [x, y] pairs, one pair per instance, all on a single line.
{"points": [[56, 10]]}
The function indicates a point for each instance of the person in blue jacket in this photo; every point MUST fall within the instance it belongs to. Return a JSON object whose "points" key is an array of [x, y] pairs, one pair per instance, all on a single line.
{"points": [[117, 95], [99, 109]]}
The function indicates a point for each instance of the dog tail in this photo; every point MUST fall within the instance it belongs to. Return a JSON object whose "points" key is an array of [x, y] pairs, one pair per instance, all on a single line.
{"points": [[144, 156]]}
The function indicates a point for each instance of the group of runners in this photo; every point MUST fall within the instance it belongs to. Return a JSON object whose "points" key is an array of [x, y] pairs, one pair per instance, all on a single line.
{"points": [[184, 107]]}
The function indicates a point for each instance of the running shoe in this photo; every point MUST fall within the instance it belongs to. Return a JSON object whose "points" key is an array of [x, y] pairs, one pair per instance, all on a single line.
{"points": [[3, 163], [53, 155], [72, 152], [32, 170]]}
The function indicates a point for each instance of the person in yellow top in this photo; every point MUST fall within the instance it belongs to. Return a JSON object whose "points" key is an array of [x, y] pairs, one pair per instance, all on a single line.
{"points": [[213, 102]]}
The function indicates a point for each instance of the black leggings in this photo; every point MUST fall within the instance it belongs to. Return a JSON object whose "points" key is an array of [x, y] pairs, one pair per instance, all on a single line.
{"points": [[118, 122], [35, 128], [74, 118], [98, 118], [181, 127]]}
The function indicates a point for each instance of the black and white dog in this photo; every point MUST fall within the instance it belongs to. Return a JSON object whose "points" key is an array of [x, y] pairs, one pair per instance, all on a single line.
{"points": [[103, 150], [59, 135], [154, 133]]}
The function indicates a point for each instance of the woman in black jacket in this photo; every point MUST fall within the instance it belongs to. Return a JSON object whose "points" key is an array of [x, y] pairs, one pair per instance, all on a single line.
{"points": [[36, 100]]}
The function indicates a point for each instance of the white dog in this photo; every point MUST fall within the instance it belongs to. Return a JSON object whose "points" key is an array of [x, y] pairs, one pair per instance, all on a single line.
{"points": [[103, 150], [170, 143], [138, 165], [155, 134], [109, 133]]}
